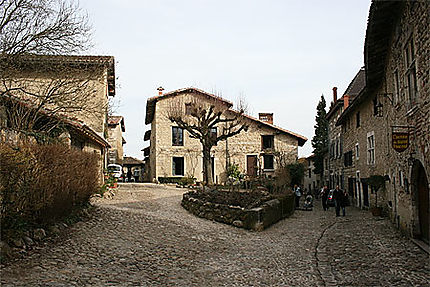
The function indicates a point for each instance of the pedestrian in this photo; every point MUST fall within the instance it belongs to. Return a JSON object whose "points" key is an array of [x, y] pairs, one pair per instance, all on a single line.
{"points": [[324, 196], [344, 202], [298, 194], [338, 200]]}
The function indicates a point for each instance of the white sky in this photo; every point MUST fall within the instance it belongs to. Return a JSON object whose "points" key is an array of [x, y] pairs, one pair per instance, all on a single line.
{"points": [[280, 56]]}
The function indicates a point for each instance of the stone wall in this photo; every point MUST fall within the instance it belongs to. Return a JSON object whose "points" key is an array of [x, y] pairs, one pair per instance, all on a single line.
{"points": [[257, 218]]}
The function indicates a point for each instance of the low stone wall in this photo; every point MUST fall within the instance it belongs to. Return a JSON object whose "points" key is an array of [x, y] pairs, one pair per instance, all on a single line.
{"points": [[257, 218]]}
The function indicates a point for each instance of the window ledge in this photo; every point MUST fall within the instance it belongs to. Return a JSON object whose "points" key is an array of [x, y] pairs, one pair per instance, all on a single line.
{"points": [[412, 111]]}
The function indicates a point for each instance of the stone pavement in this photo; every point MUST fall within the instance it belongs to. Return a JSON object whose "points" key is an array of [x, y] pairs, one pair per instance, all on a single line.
{"points": [[143, 237]]}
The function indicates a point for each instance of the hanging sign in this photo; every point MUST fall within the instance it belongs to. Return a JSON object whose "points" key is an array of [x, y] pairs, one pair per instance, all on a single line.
{"points": [[400, 141]]}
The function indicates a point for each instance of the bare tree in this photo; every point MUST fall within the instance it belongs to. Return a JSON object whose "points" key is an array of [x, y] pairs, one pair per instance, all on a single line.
{"points": [[33, 87], [43, 27], [36, 79], [209, 122]]}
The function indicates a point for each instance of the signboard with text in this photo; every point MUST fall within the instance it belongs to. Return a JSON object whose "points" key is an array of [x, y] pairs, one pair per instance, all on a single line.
{"points": [[400, 141]]}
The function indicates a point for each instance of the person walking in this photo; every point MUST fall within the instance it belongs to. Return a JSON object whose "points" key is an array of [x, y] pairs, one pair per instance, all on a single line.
{"points": [[324, 196], [338, 200], [344, 202], [298, 194]]}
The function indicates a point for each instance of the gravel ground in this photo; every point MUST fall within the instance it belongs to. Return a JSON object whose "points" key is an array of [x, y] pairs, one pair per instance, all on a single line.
{"points": [[143, 237]]}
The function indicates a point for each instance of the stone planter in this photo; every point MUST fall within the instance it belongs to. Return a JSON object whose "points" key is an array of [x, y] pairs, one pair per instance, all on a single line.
{"points": [[257, 218]]}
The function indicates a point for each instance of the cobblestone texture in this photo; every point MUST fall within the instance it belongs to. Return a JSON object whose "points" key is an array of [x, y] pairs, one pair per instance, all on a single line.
{"points": [[143, 237]]}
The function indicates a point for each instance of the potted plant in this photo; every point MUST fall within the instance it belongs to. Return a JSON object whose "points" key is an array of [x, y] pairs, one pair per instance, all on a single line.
{"points": [[377, 182]]}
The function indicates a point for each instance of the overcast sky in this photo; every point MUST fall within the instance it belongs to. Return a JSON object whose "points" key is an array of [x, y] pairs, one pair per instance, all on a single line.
{"points": [[280, 56]]}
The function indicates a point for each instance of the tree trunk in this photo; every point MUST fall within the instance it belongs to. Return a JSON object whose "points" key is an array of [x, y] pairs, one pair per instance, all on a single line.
{"points": [[207, 165]]}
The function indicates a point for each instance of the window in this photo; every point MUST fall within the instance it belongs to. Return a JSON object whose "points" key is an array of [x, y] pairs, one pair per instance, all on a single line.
{"points": [[188, 109], [268, 161], [267, 142], [178, 166], [357, 119], [213, 134], [396, 87], [347, 158], [411, 73], [177, 136], [370, 148], [357, 151]]}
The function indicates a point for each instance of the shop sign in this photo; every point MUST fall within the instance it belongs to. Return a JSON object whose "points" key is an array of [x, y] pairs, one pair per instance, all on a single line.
{"points": [[400, 141]]}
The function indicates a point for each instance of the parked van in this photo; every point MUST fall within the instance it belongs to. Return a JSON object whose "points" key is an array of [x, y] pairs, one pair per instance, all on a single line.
{"points": [[115, 170]]}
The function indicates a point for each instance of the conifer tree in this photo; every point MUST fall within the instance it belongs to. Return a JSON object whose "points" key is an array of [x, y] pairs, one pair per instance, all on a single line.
{"points": [[320, 139]]}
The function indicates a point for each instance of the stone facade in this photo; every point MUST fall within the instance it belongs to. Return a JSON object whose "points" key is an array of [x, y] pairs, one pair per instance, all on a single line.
{"points": [[396, 99], [58, 83], [311, 181], [238, 149], [116, 127]]}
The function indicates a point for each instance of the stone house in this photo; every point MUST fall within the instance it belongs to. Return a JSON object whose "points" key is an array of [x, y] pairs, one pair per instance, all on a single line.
{"points": [[173, 153], [60, 86], [311, 181], [394, 105], [71, 131], [116, 127], [335, 159]]}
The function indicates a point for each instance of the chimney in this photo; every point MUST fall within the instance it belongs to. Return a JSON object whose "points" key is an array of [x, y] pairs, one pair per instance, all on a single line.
{"points": [[334, 95], [160, 91], [266, 117], [345, 101]]}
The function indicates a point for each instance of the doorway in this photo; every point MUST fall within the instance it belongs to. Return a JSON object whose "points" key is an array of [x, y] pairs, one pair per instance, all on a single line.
{"points": [[421, 189], [251, 165]]}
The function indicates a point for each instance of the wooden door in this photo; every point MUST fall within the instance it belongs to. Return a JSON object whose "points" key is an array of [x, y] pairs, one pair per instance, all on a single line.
{"points": [[251, 165]]}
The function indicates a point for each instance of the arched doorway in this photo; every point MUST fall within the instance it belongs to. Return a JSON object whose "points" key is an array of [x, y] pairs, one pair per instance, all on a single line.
{"points": [[421, 191]]}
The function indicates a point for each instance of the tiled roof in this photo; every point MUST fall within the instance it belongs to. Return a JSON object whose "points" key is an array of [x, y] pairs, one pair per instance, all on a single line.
{"points": [[302, 140], [354, 89], [115, 120], [150, 109], [74, 123], [128, 160], [150, 104], [72, 60]]}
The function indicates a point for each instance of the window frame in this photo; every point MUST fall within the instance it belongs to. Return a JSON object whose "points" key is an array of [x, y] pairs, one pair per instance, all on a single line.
{"points": [[174, 138], [272, 161], [174, 168], [272, 142], [371, 160]]}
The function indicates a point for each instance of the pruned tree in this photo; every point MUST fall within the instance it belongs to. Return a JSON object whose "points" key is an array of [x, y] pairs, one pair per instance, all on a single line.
{"points": [[320, 139], [208, 121]]}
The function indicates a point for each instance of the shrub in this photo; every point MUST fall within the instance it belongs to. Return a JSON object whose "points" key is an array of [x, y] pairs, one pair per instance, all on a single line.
{"points": [[42, 183]]}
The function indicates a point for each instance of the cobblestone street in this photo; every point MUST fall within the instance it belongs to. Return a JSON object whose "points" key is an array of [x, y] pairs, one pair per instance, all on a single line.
{"points": [[143, 237]]}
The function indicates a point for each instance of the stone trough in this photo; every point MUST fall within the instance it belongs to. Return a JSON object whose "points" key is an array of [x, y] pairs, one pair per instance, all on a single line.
{"points": [[258, 218]]}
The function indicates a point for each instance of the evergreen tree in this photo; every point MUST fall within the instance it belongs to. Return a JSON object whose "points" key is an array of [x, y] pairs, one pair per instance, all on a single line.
{"points": [[320, 139]]}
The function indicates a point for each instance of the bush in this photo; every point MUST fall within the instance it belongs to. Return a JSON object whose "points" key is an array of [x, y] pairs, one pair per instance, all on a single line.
{"points": [[42, 183], [172, 179]]}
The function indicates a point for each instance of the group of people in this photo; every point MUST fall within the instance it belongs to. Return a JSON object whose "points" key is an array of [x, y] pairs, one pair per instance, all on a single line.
{"points": [[337, 195]]}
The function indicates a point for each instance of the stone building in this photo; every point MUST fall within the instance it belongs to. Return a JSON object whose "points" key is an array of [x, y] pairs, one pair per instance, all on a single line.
{"points": [[335, 159], [386, 129], [116, 127], [72, 87], [311, 181], [173, 153]]}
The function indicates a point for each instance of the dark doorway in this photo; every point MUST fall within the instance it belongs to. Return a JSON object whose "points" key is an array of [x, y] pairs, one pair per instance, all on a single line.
{"points": [[251, 165], [365, 194], [423, 201]]}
